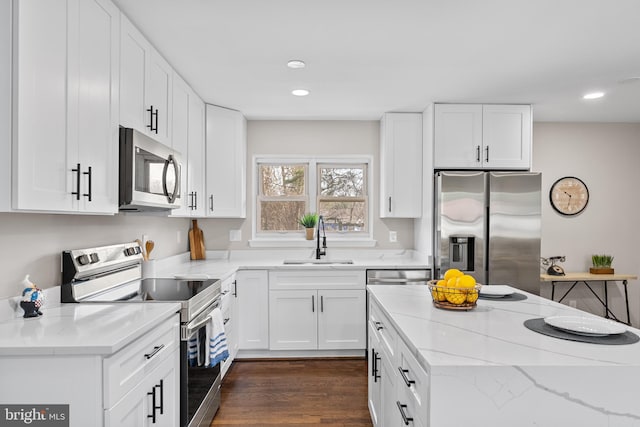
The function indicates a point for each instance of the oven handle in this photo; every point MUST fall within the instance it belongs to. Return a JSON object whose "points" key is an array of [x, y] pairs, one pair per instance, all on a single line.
{"points": [[198, 322]]}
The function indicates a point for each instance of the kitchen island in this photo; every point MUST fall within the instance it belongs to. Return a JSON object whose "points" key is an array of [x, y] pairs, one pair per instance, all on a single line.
{"points": [[484, 367]]}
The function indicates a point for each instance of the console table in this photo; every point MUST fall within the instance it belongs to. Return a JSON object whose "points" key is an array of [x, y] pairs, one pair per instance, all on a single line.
{"points": [[585, 279]]}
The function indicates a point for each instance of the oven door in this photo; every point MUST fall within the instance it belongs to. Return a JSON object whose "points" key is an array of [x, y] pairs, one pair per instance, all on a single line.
{"points": [[199, 383]]}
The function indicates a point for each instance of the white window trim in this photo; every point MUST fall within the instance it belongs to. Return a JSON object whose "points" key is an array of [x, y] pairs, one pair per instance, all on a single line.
{"points": [[288, 239]]}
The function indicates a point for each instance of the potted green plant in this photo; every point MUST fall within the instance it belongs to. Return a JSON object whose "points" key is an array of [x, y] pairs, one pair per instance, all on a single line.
{"points": [[309, 222], [601, 264]]}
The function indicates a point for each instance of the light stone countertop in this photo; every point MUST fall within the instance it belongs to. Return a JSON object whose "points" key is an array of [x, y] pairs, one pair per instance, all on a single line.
{"points": [[81, 329], [506, 374]]}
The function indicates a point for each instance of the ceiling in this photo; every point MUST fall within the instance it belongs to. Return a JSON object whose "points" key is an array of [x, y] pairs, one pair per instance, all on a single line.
{"points": [[366, 57]]}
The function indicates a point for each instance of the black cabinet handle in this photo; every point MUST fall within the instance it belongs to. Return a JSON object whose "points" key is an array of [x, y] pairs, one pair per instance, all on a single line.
{"points": [[156, 115], [161, 407], [224, 322], [477, 153], [77, 192], [374, 365], [378, 326], [152, 393], [195, 200], [192, 198], [211, 203], [150, 125], [403, 374], [155, 351], [313, 302], [486, 157], [235, 288], [321, 303], [389, 203], [405, 418], [88, 173]]}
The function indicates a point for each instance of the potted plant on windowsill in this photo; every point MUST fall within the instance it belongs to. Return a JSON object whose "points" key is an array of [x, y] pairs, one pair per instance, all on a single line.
{"points": [[601, 264], [309, 222]]}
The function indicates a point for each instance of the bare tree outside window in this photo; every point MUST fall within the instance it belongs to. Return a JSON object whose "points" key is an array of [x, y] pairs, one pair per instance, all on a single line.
{"points": [[283, 197], [342, 197]]}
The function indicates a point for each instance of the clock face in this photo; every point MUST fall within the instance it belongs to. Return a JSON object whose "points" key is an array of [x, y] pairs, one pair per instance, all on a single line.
{"points": [[569, 195]]}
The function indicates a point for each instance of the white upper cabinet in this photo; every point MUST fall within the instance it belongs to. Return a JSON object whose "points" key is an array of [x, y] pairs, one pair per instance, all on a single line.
{"points": [[145, 86], [401, 165], [226, 148], [474, 136], [188, 139], [65, 106]]}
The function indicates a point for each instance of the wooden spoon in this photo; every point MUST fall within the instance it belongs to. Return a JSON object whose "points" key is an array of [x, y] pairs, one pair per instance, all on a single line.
{"points": [[149, 247], [139, 242]]}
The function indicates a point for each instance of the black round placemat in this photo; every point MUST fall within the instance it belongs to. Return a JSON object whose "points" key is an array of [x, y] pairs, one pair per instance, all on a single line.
{"points": [[539, 325], [512, 297]]}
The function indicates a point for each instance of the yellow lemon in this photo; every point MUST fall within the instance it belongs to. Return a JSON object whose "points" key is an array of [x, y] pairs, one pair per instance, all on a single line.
{"points": [[455, 296], [452, 272], [452, 282], [465, 281], [438, 293], [472, 296]]}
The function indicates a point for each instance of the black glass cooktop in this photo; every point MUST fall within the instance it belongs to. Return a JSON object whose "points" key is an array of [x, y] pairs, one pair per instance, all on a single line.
{"points": [[171, 289]]}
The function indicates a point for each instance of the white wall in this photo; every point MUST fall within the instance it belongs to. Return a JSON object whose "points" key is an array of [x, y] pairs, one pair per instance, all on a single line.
{"points": [[32, 243], [606, 157], [314, 137]]}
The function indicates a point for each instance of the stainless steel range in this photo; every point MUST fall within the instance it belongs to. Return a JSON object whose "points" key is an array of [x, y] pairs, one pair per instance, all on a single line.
{"points": [[114, 274]]}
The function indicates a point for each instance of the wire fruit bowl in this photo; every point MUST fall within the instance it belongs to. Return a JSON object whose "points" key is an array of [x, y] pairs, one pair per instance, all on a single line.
{"points": [[450, 298]]}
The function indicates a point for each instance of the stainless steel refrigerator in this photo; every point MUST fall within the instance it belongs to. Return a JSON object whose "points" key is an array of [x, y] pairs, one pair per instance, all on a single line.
{"points": [[487, 224]]}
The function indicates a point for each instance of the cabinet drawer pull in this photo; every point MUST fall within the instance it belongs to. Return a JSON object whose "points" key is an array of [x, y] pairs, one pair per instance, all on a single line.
{"points": [[313, 303], [379, 326], [235, 288], [477, 153], [211, 203], [403, 374], [486, 157], [389, 204], [224, 322], [155, 351], [195, 200], [152, 393], [374, 365], [405, 418], [321, 303]]}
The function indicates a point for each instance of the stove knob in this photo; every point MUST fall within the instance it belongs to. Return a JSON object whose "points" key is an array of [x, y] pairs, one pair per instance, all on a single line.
{"points": [[131, 251], [137, 250], [94, 258], [83, 259]]}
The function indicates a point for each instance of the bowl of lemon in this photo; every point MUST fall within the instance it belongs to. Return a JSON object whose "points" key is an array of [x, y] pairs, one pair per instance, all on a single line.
{"points": [[455, 291]]}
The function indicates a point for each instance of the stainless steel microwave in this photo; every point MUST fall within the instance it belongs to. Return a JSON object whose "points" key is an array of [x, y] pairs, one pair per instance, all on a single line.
{"points": [[149, 174]]}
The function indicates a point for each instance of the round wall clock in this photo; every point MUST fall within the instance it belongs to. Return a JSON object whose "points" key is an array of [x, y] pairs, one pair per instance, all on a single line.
{"points": [[569, 195]]}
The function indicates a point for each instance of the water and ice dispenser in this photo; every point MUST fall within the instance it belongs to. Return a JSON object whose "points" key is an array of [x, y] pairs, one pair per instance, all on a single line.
{"points": [[461, 252]]}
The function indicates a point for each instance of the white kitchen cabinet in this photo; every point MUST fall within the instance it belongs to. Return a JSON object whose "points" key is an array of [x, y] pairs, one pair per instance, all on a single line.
{"points": [[252, 288], [137, 408], [226, 154], [145, 85], [188, 139], [228, 307], [401, 165], [317, 310], [474, 136], [65, 108], [293, 320], [397, 383]]}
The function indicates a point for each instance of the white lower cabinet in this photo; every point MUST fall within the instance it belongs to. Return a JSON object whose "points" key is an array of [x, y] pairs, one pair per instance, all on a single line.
{"points": [[230, 318], [398, 385], [252, 288], [153, 402], [305, 315]]}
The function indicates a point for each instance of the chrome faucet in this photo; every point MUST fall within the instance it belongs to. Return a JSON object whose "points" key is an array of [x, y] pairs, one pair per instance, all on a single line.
{"points": [[319, 252]]}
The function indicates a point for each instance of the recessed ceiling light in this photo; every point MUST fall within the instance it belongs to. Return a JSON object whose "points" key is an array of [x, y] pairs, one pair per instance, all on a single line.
{"points": [[593, 95], [300, 92], [296, 63]]}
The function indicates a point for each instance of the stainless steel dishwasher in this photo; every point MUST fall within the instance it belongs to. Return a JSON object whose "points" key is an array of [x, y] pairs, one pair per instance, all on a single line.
{"points": [[408, 276]]}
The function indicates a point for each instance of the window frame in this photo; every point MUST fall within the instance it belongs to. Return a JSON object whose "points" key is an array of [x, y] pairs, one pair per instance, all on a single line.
{"points": [[297, 238]]}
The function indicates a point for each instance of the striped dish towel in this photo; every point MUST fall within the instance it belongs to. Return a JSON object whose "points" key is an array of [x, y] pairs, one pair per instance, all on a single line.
{"points": [[217, 351], [192, 350]]}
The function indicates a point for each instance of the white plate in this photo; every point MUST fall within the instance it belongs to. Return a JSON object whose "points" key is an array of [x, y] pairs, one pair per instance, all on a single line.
{"points": [[495, 291], [590, 326], [191, 276]]}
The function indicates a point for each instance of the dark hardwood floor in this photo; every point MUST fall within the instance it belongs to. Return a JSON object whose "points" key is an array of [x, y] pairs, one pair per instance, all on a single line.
{"points": [[306, 392]]}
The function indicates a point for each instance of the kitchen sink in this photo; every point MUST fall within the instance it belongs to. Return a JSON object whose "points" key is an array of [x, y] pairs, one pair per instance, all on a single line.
{"points": [[317, 261]]}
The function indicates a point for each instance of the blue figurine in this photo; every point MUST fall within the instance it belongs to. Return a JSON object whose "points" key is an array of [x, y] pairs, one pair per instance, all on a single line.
{"points": [[32, 299]]}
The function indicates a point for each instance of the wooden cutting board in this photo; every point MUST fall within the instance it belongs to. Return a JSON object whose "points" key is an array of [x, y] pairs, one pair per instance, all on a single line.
{"points": [[196, 242]]}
